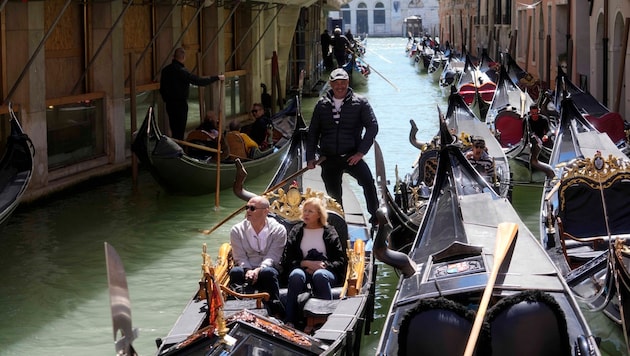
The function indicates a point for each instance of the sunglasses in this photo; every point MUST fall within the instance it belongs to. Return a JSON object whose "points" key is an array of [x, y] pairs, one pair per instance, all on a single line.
{"points": [[252, 208], [254, 111], [480, 146]]}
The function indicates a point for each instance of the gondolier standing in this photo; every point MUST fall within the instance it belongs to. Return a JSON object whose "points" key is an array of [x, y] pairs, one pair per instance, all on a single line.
{"points": [[337, 125], [175, 82]]}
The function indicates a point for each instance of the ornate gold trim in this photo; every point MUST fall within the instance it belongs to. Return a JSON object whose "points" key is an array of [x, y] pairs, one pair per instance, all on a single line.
{"points": [[597, 173], [287, 204]]}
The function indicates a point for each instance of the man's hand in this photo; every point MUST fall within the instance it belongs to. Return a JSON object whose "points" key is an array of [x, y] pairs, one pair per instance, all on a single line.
{"points": [[355, 158], [221, 77], [311, 164], [252, 275]]}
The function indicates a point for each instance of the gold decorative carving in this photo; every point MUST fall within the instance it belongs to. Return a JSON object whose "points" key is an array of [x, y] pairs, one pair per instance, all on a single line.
{"points": [[287, 204]]}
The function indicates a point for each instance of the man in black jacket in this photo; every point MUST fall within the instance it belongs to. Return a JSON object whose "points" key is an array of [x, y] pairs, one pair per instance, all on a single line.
{"points": [[175, 81], [337, 125]]}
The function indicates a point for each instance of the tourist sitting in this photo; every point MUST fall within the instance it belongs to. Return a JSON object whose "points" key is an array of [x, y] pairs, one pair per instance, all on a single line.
{"points": [[250, 144], [257, 246], [314, 255], [480, 159], [259, 129], [209, 124]]}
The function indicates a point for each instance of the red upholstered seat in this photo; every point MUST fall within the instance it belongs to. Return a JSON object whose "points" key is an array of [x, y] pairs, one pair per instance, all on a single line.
{"points": [[467, 91], [486, 90], [510, 125], [610, 123]]}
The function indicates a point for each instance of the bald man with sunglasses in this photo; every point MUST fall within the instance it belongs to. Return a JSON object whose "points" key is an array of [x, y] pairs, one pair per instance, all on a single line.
{"points": [[257, 246]]}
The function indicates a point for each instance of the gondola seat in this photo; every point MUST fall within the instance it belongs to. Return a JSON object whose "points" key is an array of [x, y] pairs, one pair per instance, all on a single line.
{"points": [[528, 323], [583, 226], [236, 145], [202, 138], [439, 327], [610, 123], [510, 127]]}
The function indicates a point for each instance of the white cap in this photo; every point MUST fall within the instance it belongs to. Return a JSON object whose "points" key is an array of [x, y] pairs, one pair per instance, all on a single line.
{"points": [[337, 74]]}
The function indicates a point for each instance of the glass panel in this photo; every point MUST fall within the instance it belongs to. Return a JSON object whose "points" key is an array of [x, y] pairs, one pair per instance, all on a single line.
{"points": [[75, 132]]}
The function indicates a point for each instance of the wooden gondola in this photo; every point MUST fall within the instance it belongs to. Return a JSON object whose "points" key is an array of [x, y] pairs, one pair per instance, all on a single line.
{"points": [[507, 117], [436, 66], [451, 73], [477, 88], [183, 173], [407, 207], [469, 284], [221, 321], [583, 209], [595, 112], [16, 168], [463, 125]]}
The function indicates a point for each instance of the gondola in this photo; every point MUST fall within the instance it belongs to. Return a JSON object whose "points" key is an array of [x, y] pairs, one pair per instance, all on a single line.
{"points": [[602, 118], [16, 168], [523, 79], [182, 173], [584, 206], [411, 193], [477, 88], [220, 321], [464, 125], [507, 117], [436, 66], [451, 73], [476, 279]]}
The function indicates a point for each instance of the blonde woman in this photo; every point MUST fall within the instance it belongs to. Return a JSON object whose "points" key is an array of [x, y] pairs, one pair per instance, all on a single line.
{"points": [[314, 255]]}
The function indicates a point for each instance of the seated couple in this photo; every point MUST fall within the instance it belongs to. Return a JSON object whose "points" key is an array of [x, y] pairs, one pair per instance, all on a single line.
{"points": [[311, 254]]}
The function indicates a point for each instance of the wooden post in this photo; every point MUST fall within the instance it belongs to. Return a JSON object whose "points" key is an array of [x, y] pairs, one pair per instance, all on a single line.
{"points": [[201, 91], [132, 113], [529, 40], [622, 65], [219, 139]]}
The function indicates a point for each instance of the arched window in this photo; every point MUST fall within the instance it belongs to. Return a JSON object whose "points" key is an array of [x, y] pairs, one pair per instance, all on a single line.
{"points": [[345, 14], [362, 19], [379, 13]]}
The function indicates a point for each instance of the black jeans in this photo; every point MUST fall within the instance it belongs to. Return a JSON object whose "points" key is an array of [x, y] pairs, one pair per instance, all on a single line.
{"points": [[332, 171], [267, 281], [177, 116]]}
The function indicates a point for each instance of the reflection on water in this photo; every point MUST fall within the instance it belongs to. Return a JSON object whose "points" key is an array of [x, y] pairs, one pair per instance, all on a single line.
{"points": [[54, 288]]}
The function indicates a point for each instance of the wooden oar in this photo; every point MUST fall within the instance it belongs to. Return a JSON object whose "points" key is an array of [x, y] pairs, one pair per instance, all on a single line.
{"points": [[205, 148], [283, 182], [382, 76], [506, 232], [194, 145], [220, 125]]}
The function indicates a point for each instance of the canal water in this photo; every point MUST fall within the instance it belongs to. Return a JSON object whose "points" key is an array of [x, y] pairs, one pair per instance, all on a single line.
{"points": [[53, 285]]}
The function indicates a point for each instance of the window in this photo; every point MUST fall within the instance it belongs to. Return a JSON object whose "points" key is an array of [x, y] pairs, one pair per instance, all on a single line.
{"points": [[379, 13], [345, 15]]}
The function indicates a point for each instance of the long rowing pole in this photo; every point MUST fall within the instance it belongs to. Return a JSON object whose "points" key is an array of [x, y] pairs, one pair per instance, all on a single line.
{"points": [[283, 182], [379, 73]]}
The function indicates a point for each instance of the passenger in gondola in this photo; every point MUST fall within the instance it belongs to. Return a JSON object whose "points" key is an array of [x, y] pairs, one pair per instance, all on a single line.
{"points": [[250, 144], [539, 127], [257, 246], [313, 255], [259, 129], [480, 159], [209, 124]]}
